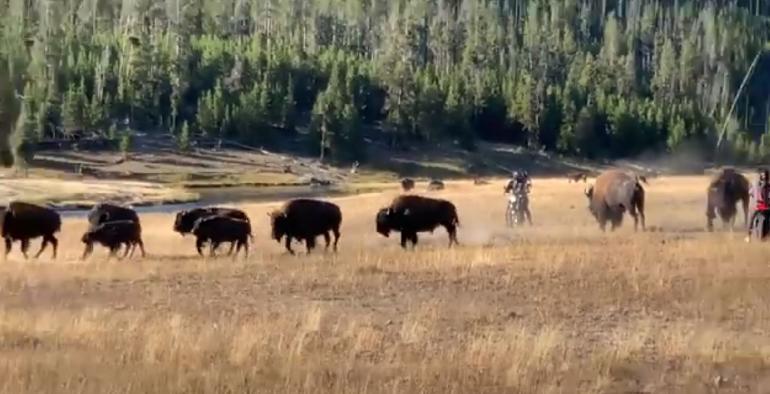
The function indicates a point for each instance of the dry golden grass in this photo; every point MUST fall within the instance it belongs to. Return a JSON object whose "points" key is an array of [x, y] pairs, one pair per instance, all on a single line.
{"points": [[558, 308]]}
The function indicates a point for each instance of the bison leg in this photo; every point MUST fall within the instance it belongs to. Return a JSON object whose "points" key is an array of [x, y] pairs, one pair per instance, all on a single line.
{"points": [[452, 231], [213, 248], [114, 249], [46, 240], [404, 238], [232, 247], [336, 232], [244, 244], [199, 245], [238, 246], [42, 247], [633, 214], [328, 240], [25, 247], [414, 240], [310, 244], [129, 249], [49, 239], [141, 247], [288, 244], [8, 246], [87, 251]]}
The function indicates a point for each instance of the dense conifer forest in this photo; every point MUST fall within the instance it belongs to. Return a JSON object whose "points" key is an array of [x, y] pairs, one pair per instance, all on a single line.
{"points": [[586, 78]]}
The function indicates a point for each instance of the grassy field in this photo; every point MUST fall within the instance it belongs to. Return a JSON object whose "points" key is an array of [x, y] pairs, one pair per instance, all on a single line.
{"points": [[557, 308]]}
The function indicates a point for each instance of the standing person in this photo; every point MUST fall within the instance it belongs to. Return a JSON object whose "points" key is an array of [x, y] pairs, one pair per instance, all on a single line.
{"points": [[760, 193]]}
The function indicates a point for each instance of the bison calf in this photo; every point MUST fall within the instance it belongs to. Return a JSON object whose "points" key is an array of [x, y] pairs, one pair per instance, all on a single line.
{"points": [[105, 212], [218, 229], [306, 219], [24, 221], [112, 235], [412, 214], [185, 220]]}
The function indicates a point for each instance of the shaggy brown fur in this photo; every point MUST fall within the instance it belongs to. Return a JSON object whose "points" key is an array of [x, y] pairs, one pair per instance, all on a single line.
{"points": [[725, 190], [614, 193]]}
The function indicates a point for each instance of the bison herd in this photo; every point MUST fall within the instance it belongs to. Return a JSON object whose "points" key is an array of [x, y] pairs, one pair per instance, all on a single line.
{"points": [[117, 227], [613, 194]]}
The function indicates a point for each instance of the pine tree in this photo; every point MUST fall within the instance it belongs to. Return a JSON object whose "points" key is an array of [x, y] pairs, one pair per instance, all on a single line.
{"points": [[211, 113], [74, 109], [126, 141], [677, 133], [430, 112], [457, 116], [183, 141], [587, 142], [289, 108], [664, 81], [24, 137]]}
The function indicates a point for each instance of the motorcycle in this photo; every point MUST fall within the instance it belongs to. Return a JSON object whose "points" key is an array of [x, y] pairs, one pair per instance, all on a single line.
{"points": [[514, 215]]}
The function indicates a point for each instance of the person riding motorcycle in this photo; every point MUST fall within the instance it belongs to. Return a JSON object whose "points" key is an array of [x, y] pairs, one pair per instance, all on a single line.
{"points": [[520, 185], [760, 193]]}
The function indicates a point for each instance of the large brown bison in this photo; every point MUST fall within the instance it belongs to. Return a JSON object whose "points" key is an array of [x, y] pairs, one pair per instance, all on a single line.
{"points": [[304, 220], [410, 215], [614, 193], [112, 235], [24, 221], [725, 190], [106, 212]]}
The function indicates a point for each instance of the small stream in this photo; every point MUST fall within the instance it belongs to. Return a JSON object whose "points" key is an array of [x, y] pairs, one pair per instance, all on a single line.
{"points": [[233, 195]]}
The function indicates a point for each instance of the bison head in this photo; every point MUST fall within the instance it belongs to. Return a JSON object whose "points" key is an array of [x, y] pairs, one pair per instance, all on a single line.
{"points": [[589, 192], [184, 222], [87, 238], [384, 225], [278, 225]]}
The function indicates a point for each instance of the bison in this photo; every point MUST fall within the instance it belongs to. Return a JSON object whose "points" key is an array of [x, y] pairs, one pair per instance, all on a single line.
{"points": [[577, 177], [306, 219], [614, 193], [724, 191], [410, 215], [435, 184], [112, 235], [23, 222], [407, 184], [185, 220], [106, 212], [218, 229]]}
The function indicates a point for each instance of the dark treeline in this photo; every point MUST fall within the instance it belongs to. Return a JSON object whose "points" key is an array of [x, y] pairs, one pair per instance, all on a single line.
{"points": [[590, 78]]}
